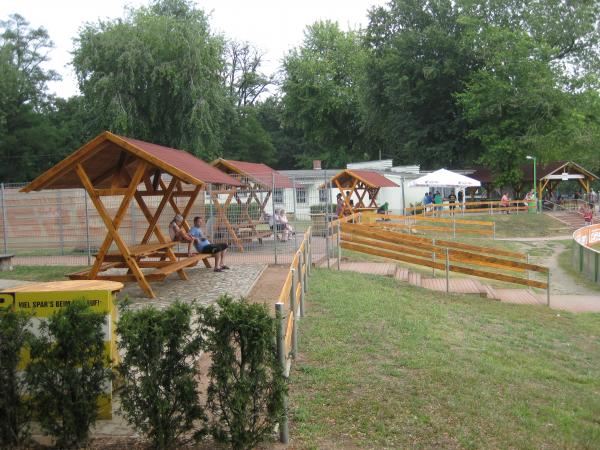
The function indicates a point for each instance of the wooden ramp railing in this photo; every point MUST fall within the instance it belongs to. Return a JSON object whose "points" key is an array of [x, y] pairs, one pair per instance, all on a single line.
{"points": [[448, 256], [289, 309], [452, 226], [490, 207]]}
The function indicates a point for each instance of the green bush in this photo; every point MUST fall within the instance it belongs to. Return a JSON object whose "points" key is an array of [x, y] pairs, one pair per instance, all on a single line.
{"points": [[160, 396], [15, 413], [246, 388], [67, 373]]}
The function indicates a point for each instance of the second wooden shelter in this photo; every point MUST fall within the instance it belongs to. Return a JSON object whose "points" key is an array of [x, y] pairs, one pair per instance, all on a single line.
{"points": [[258, 182]]}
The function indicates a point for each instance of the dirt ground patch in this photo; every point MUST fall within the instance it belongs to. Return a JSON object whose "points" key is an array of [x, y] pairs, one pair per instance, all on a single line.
{"points": [[266, 290]]}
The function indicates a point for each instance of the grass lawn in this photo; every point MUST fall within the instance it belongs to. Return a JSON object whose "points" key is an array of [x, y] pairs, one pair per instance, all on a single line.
{"points": [[524, 225], [383, 364], [40, 273]]}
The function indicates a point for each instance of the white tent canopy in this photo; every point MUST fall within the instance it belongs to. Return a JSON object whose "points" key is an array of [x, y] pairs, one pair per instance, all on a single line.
{"points": [[444, 178]]}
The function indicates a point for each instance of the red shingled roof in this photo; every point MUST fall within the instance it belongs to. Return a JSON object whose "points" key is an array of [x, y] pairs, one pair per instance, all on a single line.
{"points": [[369, 177], [258, 172], [185, 162], [108, 154]]}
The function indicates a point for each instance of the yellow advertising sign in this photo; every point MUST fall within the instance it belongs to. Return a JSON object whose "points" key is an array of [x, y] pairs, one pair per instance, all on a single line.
{"points": [[50, 298]]}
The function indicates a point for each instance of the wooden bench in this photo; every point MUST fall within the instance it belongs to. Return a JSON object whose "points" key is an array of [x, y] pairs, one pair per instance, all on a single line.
{"points": [[169, 268], [6, 262]]}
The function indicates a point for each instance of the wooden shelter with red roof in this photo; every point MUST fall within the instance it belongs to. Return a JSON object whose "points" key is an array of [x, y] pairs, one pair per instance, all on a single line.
{"points": [[111, 165], [258, 181], [361, 183], [548, 176]]}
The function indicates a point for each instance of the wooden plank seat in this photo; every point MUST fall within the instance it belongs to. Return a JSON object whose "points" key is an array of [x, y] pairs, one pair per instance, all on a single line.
{"points": [[166, 270], [138, 251]]}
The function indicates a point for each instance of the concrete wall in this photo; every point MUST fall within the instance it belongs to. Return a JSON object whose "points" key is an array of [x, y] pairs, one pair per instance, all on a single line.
{"points": [[585, 258]]}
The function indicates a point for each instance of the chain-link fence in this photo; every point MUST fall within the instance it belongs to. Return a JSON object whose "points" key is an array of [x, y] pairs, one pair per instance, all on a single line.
{"points": [[261, 222]]}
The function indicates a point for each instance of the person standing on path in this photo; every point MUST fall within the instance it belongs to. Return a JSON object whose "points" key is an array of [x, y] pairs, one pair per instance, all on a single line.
{"points": [[437, 200], [452, 202], [505, 202]]}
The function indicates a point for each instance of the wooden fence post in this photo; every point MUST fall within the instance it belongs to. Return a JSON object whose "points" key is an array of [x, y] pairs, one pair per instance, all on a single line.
{"points": [[302, 283], [294, 311], [433, 258], [447, 270], [339, 249], [284, 436], [548, 289]]}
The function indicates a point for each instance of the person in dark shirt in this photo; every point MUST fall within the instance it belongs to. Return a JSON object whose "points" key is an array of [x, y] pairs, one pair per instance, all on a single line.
{"points": [[452, 202]]}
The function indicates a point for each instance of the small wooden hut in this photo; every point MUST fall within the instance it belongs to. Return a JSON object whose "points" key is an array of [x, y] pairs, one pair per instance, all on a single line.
{"points": [[258, 181], [360, 183], [111, 165]]}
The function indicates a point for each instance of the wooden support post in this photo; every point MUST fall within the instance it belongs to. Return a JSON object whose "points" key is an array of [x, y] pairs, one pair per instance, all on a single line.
{"points": [[113, 225], [302, 281], [447, 270], [339, 249], [294, 311]]}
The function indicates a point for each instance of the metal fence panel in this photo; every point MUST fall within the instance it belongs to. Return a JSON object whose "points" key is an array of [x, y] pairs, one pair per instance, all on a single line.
{"points": [[62, 227]]}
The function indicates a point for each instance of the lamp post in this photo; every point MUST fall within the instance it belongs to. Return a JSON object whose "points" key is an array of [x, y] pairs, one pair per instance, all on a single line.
{"points": [[537, 207]]}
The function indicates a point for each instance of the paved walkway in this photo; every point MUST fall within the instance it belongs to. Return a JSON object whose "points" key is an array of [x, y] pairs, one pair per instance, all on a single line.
{"points": [[204, 286], [572, 303]]}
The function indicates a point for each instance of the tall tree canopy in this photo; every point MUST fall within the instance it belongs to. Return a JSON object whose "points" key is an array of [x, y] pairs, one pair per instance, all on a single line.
{"points": [[26, 136], [321, 93], [155, 75], [467, 82]]}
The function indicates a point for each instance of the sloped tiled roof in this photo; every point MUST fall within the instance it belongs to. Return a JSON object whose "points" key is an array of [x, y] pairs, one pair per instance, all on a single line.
{"points": [[258, 172], [109, 153], [368, 177]]}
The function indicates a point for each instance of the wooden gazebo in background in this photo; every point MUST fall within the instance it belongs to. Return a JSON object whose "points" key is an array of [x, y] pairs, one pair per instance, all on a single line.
{"points": [[549, 176], [552, 174], [112, 165], [361, 183], [258, 181]]}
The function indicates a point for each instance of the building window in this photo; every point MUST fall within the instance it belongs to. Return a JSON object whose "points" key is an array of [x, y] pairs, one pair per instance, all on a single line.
{"points": [[323, 196], [301, 195], [278, 195]]}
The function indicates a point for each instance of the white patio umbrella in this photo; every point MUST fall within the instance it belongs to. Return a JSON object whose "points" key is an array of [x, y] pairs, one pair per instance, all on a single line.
{"points": [[444, 178]]}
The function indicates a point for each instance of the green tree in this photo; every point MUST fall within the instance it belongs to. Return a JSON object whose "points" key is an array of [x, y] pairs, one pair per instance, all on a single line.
{"points": [[68, 373], [321, 94], [26, 135], [155, 75], [15, 410], [531, 94], [247, 139], [417, 62]]}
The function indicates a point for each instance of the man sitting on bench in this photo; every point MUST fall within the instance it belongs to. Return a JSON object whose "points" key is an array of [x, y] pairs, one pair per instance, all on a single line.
{"points": [[203, 245]]}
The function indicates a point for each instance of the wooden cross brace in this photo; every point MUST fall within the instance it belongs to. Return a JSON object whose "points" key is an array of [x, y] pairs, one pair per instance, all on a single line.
{"points": [[112, 225], [222, 216]]}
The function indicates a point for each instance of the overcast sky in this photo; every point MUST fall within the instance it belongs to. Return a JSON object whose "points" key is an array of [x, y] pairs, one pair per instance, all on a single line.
{"points": [[274, 26]]}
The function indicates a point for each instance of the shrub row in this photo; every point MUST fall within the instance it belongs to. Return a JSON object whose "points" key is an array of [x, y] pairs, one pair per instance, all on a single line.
{"points": [[159, 374]]}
